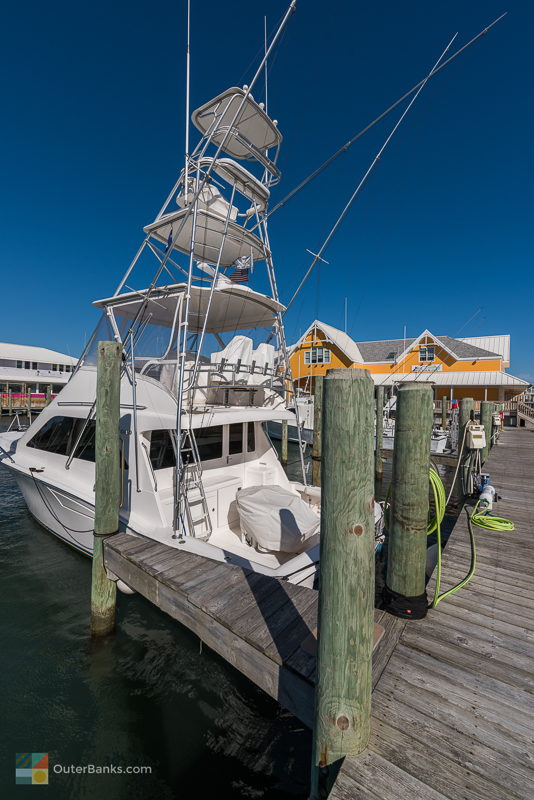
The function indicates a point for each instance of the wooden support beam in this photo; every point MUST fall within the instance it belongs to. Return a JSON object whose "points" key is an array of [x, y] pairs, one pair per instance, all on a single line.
{"points": [[444, 413], [409, 502], [486, 420], [107, 483], [317, 430], [284, 442], [346, 590], [379, 464], [466, 414]]}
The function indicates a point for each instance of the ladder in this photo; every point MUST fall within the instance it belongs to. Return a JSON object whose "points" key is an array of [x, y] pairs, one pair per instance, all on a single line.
{"points": [[191, 470]]}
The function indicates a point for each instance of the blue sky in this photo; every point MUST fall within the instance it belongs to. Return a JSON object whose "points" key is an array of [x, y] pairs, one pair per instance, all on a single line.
{"points": [[92, 132]]}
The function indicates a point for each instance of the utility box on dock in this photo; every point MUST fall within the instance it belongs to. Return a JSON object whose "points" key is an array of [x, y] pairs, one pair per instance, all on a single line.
{"points": [[476, 437]]}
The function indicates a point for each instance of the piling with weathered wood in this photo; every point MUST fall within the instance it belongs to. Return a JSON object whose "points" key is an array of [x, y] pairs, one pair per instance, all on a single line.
{"points": [[404, 594], [465, 416], [283, 456], [346, 588], [379, 464], [317, 430], [444, 413], [486, 419], [107, 482], [9, 401], [48, 399]]}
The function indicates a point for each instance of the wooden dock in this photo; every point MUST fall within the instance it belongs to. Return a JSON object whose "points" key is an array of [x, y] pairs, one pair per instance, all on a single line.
{"points": [[453, 711], [264, 627]]}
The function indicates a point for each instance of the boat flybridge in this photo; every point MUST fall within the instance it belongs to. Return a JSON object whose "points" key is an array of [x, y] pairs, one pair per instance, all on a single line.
{"points": [[200, 377]]}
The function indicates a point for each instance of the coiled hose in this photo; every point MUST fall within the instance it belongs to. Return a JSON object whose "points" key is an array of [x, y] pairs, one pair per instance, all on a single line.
{"points": [[480, 518]]}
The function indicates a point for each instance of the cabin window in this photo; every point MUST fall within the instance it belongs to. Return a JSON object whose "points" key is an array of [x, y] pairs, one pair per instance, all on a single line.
{"points": [[54, 367], [27, 365], [19, 364], [162, 450], [251, 438], [34, 364], [427, 353], [59, 434], [235, 438], [317, 355], [209, 442]]}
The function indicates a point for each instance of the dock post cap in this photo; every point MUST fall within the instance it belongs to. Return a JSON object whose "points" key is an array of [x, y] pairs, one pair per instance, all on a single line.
{"points": [[348, 374], [406, 386]]}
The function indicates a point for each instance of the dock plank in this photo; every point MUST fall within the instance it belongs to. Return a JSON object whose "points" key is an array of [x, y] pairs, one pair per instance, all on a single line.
{"points": [[454, 706]]}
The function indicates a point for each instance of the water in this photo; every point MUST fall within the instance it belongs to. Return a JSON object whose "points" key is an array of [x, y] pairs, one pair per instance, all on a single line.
{"points": [[146, 696]]}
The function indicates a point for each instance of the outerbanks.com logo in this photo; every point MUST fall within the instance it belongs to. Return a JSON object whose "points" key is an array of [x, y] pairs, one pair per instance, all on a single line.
{"points": [[33, 768]]}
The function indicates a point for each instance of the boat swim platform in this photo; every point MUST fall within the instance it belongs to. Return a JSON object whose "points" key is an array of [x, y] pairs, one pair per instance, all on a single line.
{"points": [[265, 627], [453, 711]]}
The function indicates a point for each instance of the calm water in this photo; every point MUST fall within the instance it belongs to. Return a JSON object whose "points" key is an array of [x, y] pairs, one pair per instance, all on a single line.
{"points": [[145, 696]]}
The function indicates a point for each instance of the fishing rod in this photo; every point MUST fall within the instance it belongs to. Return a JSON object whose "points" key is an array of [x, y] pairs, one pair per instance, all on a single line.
{"points": [[381, 116], [318, 256]]}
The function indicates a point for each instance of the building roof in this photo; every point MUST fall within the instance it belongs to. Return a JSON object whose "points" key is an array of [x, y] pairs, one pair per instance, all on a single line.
{"points": [[381, 351], [496, 344], [23, 352], [342, 340], [472, 378]]}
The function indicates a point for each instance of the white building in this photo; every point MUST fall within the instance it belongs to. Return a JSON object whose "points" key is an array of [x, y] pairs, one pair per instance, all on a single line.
{"points": [[24, 368]]}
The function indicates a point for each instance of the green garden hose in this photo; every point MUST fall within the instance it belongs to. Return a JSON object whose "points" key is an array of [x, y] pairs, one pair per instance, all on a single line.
{"points": [[480, 518]]}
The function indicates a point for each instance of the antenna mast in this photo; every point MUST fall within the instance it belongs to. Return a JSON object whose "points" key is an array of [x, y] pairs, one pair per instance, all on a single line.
{"points": [[187, 90]]}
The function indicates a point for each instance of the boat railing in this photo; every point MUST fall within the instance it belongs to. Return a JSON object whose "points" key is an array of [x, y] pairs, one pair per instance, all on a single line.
{"points": [[209, 378]]}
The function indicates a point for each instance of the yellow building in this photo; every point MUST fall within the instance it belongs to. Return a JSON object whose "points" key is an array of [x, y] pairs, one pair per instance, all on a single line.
{"points": [[469, 367]]}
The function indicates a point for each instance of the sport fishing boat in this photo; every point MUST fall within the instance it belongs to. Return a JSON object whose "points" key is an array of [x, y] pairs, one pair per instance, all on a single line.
{"points": [[198, 380]]}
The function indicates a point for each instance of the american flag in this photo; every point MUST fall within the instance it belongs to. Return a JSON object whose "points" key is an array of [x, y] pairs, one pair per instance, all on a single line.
{"points": [[240, 273]]}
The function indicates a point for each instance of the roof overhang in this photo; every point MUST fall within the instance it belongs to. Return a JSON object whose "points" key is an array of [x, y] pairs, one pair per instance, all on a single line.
{"points": [[471, 378]]}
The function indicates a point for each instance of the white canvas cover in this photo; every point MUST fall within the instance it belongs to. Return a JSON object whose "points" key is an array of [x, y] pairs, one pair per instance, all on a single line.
{"points": [[275, 519], [238, 348]]}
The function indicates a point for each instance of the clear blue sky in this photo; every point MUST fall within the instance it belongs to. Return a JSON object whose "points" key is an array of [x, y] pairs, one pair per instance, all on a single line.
{"points": [[92, 136]]}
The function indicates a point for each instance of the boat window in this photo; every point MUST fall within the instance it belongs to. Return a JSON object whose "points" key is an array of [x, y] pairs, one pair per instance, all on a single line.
{"points": [[251, 438], [59, 434], [19, 364], [209, 442], [235, 438], [162, 450]]}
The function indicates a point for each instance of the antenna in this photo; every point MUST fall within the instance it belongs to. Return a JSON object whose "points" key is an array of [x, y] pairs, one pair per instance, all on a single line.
{"points": [[187, 91], [266, 71]]}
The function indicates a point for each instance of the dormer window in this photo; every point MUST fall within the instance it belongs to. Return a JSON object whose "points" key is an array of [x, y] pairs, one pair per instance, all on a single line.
{"points": [[317, 355], [427, 354], [391, 356]]}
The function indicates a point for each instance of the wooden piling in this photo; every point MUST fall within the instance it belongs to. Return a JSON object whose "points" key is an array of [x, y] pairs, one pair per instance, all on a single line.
{"points": [[379, 464], [9, 401], [107, 482], [317, 430], [409, 501], [284, 442], [486, 419], [48, 394], [346, 588], [444, 413], [466, 414]]}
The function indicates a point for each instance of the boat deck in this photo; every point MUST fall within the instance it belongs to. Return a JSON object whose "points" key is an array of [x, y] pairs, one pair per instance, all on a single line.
{"points": [[453, 712]]}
